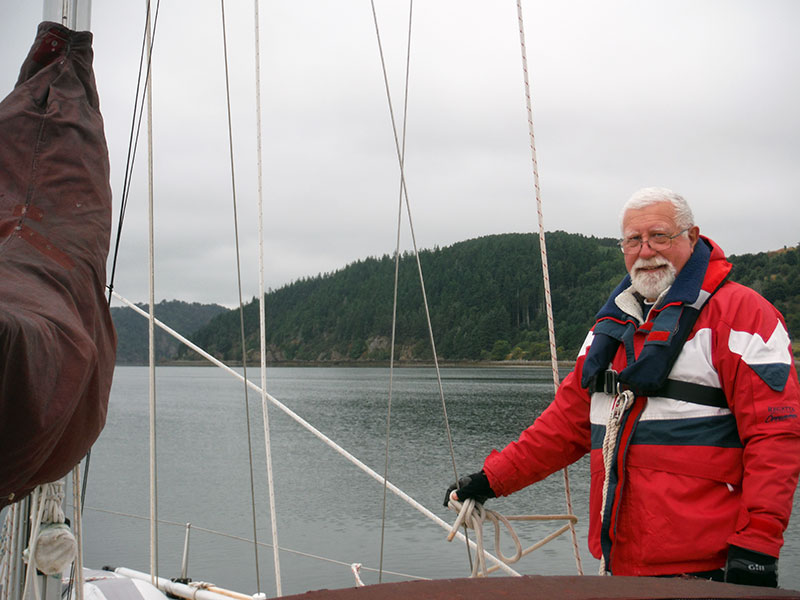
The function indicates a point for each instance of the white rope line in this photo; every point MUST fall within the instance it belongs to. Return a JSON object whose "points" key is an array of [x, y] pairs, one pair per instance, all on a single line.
{"points": [[310, 428], [5, 554], [545, 269], [473, 514], [78, 517], [16, 546], [44, 509], [620, 405], [261, 308], [355, 568], [36, 513], [240, 538], [9, 553]]}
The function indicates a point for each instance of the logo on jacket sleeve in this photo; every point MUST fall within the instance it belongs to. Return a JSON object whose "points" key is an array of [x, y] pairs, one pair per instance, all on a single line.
{"points": [[770, 360], [780, 413]]}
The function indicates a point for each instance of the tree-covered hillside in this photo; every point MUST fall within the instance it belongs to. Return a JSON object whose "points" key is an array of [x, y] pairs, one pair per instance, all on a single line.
{"points": [[776, 276], [485, 295], [185, 318]]}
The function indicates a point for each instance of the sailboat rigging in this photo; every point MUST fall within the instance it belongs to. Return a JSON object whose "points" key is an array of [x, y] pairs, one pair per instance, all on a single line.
{"points": [[93, 317]]}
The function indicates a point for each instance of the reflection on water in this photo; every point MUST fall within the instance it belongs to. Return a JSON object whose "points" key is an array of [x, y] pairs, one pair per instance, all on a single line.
{"points": [[325, 506]]}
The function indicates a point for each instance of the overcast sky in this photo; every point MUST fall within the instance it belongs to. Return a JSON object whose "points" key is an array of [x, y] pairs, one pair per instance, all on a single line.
{"points": [[699, 96]]}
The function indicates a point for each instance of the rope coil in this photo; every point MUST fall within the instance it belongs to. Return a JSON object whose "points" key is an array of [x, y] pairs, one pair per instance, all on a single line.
{"points": [[619, 406], [473, 515]]}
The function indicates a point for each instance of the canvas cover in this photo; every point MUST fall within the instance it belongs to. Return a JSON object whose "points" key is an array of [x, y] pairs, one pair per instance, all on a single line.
{"points": [[57, 341]]}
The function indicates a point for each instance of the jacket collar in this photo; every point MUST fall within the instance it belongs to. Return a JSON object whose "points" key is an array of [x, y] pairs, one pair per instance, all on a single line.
{"points": [[706, 268], [674, 315]]}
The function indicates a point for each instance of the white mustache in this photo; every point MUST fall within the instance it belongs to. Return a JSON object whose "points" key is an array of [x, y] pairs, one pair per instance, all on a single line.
{"points": [[648, 263]]}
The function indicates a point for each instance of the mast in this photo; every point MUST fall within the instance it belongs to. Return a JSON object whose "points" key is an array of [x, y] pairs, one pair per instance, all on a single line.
{"points": [[42, 503], [74, 14]]}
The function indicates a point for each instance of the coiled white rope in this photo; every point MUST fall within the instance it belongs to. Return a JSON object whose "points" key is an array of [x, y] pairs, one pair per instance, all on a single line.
{"points": [[57, 549], [51, 546], [10, 553], [36, 512], [620, 405], [53, 494], [473, 515]]}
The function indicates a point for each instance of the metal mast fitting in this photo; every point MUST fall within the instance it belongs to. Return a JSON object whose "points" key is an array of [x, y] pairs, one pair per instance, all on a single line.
{"points": [[73, 14]]}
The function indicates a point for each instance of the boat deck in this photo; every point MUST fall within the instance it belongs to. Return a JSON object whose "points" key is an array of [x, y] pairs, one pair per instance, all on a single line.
{"points": [[533, 587]]}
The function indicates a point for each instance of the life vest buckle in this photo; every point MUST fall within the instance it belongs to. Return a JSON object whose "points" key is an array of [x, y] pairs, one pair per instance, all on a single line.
{"points": [[611, 381]]}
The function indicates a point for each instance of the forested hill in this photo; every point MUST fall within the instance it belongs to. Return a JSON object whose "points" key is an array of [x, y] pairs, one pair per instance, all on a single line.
{"points": [[185, 318], [486, 302]]}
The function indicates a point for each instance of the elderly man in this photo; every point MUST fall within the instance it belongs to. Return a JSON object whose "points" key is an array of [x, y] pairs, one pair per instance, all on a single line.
{"points": [[689, 380]]}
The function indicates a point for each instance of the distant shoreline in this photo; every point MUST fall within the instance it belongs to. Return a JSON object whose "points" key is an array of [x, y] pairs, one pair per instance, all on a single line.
{"points": [[366, 364]]}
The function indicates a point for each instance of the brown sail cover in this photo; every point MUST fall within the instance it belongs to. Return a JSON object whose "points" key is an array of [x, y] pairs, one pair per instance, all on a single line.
{"points": [[57, 341]]}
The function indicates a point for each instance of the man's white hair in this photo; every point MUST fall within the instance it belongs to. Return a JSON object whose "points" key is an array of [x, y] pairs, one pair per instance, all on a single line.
{"points": [[653, 195]]}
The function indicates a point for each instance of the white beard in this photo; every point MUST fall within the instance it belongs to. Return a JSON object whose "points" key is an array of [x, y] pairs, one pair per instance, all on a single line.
{"points": [[651, 284]]}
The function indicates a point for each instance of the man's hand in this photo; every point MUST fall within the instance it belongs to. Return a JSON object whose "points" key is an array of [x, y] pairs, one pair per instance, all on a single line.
{"points": [[747, 567], [474, 486]]}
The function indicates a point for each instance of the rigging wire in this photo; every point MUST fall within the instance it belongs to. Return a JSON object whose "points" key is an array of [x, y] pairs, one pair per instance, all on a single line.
{"points": [[545, 270], [241, 302], [131, 157], [315, 432], [133, 140], [404, 194], [414, 241], [148, 39], [240, 538], [394, 295], [261, 313]]}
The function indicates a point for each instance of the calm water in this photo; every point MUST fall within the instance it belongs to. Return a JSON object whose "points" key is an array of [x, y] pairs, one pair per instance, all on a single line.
{"points": [[325, 506]]}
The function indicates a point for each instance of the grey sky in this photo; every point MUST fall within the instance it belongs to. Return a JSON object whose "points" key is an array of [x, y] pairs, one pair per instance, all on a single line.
{"points": [[699, 96]]}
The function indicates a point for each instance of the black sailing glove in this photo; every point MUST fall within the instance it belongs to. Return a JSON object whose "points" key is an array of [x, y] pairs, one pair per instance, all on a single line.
{"points": [[474, 486], [747, 567]]}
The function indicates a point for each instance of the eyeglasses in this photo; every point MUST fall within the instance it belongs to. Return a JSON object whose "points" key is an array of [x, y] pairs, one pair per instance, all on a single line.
{"points": [[657, 242]]}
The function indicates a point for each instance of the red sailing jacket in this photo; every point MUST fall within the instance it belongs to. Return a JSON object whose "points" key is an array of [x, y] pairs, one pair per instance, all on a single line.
{"points": [[688, 479]]}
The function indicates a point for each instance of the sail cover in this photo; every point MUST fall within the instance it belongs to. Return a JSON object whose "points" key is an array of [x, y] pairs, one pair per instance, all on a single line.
{"points": [[57, 341]]}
